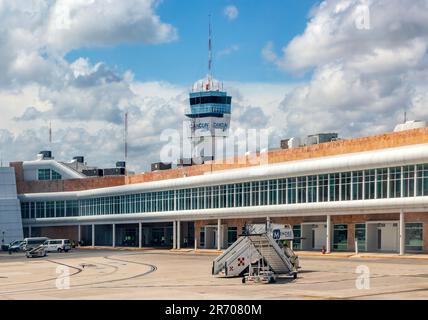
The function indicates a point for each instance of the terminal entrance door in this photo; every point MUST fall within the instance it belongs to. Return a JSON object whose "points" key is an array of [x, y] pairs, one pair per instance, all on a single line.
{"points": [[210, 235], [383, 236], [314, 236]]}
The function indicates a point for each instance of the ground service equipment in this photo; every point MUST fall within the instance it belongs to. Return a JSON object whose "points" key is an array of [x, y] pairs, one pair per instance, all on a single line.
{"points": [[262, 252]]}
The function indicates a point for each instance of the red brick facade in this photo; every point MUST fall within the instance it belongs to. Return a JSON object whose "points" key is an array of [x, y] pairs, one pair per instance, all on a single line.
{"points": [[388, 140]]}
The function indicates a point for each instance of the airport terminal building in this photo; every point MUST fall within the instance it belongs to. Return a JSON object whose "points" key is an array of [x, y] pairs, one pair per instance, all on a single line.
{"points": [[370, 191]]}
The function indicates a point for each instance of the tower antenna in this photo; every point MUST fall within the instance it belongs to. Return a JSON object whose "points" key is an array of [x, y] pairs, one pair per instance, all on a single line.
{"points": [[50, 134], [210, 48]]}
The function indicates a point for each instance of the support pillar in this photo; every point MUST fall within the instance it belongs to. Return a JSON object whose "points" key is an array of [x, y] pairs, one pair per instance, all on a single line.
{"points": [[402, 234], [174, 234], [114, 236], [93, 235], [178, 235], [219, 234], [29, 231], [79, 233], [328, 240], [140, 235]]}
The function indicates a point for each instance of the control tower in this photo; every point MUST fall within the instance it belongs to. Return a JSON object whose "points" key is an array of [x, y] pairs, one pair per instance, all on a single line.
{"points": [[209, 114]]}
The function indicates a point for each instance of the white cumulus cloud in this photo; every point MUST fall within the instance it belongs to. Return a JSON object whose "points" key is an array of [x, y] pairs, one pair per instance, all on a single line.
{"points": [[231, 12], [362, 79]]}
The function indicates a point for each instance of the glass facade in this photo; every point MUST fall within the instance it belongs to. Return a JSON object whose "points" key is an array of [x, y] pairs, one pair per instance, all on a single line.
{"points": [[414, 237], [360, 236], [381, 183], [48, 174], [297, 242], [340, 237], [232, 235]]}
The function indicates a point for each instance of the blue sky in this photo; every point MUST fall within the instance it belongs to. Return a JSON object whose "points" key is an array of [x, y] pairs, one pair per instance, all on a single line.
{"points": [[325, 71], [185, 60]]}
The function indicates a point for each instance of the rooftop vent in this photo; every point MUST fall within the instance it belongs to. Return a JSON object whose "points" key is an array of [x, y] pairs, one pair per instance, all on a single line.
{"points": [[160, 166], [79, 159], [321, 138], [44, 155], [121, 164]]}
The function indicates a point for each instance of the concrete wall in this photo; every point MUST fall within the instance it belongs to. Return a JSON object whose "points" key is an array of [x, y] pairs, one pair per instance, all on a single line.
{"points": [[10, 208]]}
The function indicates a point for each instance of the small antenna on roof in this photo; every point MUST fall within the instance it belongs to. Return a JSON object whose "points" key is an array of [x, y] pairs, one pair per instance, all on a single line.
{"points": [[50, 135]]}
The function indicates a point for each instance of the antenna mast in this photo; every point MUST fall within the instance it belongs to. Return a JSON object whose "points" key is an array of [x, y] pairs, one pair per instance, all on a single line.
{"points": [[50, 135], [210, 55]]}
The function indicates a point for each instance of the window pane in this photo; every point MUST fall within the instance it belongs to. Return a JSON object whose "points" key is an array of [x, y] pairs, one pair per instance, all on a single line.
{"points": [[369, 184], [263, 193], [422, 180], [291, 190], [346, 186], [382, 183], [395, 182], [44, 174], [239, 196], [312, 189], [301, 190], [414, 236], [297, 231], [56, 175], [255, 196], [40, 210], [323, 188], [232, 235], [50, 209], [360, 236], [340, 237], [409, 181], [334, 186], [282, 191], [357, 185]]}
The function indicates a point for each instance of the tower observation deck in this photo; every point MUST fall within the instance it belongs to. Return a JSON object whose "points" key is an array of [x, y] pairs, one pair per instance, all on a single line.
{"points": [[209, 114]]}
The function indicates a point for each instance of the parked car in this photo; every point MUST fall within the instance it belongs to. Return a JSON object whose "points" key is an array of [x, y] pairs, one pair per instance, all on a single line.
{"points": [[36, 252], [31, 243], [15, 246], [58, 245]]}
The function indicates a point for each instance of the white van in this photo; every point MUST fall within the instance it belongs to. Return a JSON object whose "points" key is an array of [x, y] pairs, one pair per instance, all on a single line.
{"points": [[31, 243], [58, 245]]}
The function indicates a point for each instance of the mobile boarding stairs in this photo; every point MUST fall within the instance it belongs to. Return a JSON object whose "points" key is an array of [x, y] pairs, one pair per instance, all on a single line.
{"points": [[260, 245]]}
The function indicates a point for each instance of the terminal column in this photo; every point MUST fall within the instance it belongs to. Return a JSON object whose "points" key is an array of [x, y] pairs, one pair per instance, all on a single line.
{"points": [[174, 234], [79, 233], [114, 235], [140, 236], [93, 235], [178, 235], [328, 240], [402, 234], [218, 234], [29, 231]]}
